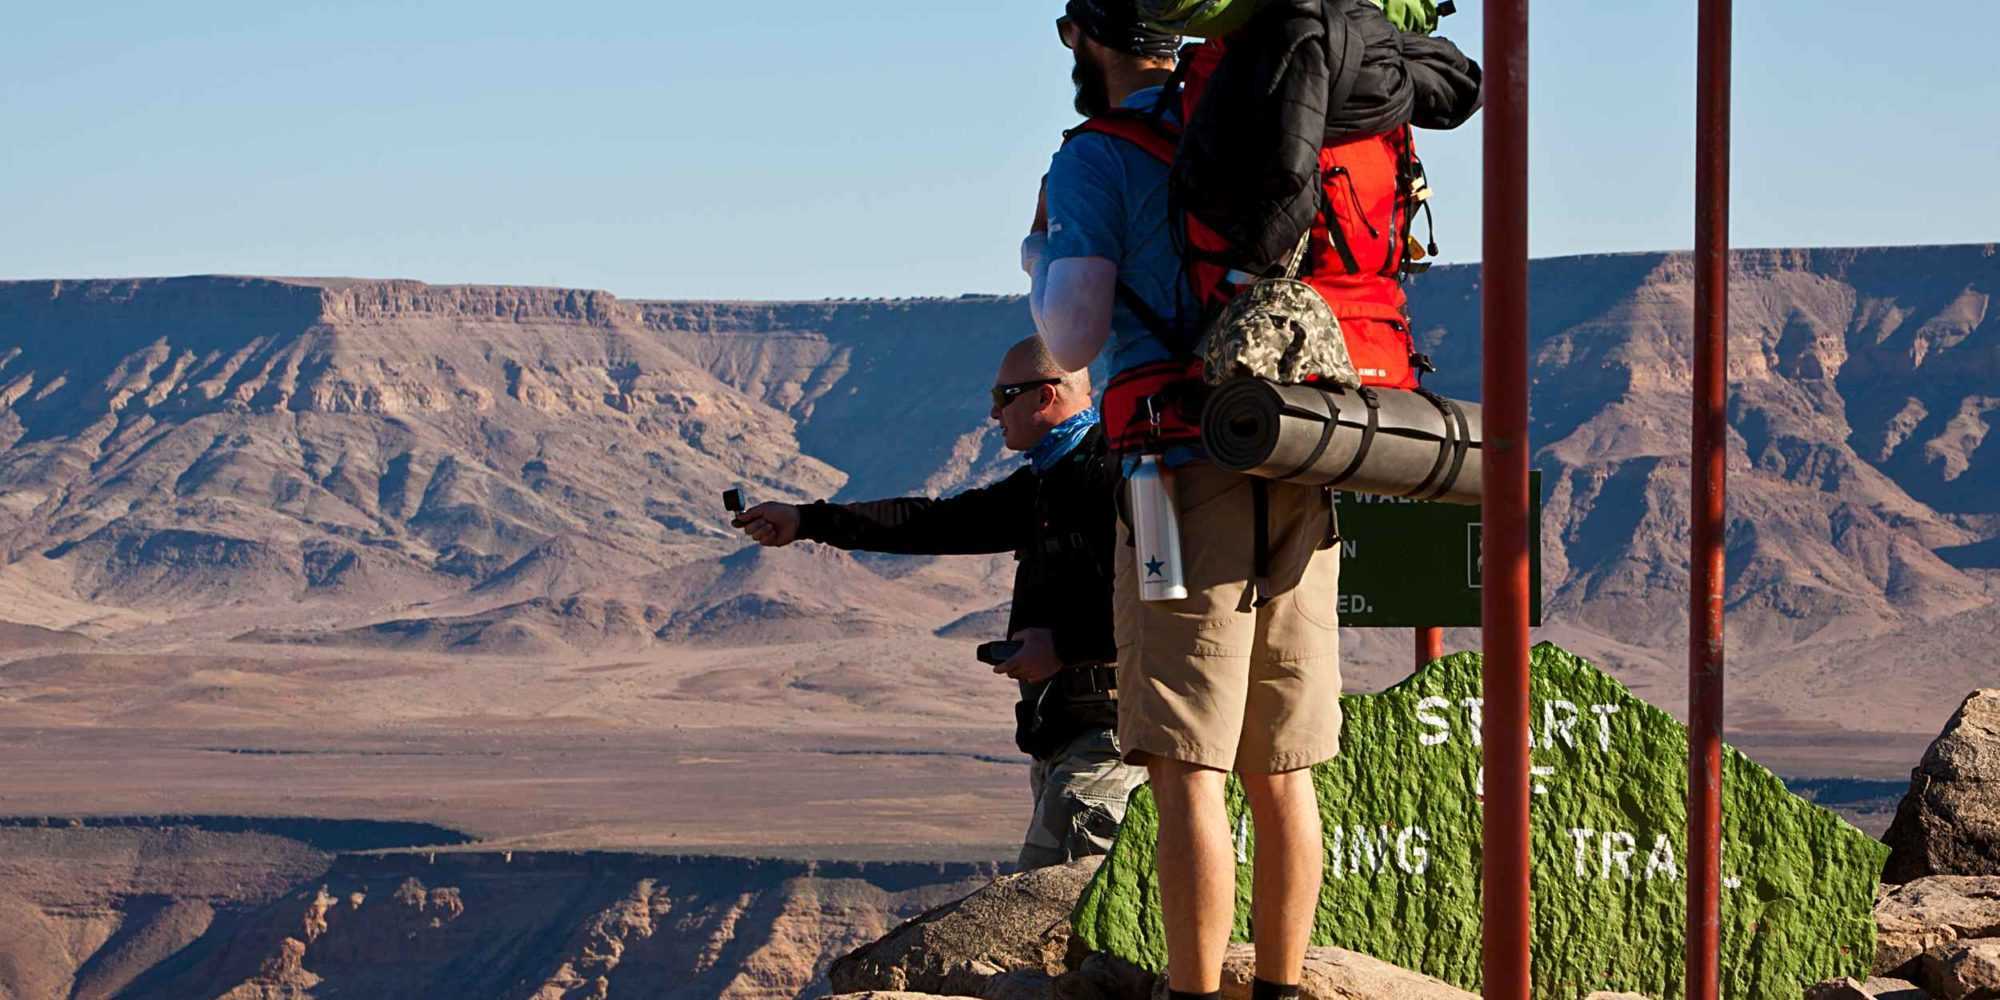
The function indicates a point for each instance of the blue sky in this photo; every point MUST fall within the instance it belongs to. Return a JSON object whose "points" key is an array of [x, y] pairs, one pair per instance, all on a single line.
{"points": [[788, 149]]}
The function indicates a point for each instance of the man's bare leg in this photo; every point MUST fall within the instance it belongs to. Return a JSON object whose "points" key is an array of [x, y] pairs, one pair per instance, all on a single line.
{"points": [[1197, 873], [1287, 880]]}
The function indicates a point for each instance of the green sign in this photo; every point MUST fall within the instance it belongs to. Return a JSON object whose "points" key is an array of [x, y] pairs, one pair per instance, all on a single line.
{"points": [[1401, 812], [1406, 564]]}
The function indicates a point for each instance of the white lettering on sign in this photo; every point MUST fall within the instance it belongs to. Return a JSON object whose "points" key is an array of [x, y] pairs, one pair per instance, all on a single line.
{"points": [[1439, 726], [1620, 855], [1559, 719], [1411, 857], [1558, 731], [1371, 498], [1364, 850], [1353, 604], [1348, 548], [1604, 714], [1583, 836], [1611, 849], [1662, 859], [1536, 773]]}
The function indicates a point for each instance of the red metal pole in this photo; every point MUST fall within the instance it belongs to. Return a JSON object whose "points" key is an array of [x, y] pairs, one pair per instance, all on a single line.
{"points": [[1711, 435], [1504, 538], [1430, 646]]}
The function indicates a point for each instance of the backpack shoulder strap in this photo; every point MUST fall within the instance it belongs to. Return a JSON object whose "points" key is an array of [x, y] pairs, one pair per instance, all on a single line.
{"points": [[1152, 134], [1158, 138], [1155, 324]]}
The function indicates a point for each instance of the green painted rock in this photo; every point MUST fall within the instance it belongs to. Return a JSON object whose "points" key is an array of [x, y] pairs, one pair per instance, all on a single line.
{"points": [[1402, 818]]}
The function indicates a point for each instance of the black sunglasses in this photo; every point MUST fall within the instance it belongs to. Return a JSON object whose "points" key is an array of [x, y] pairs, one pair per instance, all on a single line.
{"points": [[1004, 394], [1066, 30]]}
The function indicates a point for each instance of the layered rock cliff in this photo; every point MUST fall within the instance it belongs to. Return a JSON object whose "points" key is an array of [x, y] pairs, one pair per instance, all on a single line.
{"points": [[190, 908]]}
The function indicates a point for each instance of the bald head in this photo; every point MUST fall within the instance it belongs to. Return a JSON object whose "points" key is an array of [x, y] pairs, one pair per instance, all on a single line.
{"points": [[1039, 396], [1030, 360]]}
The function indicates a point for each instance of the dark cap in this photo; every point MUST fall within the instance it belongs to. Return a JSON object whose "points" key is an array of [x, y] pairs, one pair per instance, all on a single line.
{"points": [[1115, 24]]}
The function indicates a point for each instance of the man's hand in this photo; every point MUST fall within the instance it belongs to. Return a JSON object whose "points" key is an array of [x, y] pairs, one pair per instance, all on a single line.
{"points": [[1036, 662], [772, 524]]}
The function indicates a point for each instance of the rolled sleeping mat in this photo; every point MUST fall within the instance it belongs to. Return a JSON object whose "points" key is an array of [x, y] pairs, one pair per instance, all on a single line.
{"points": [[1388, 442]]}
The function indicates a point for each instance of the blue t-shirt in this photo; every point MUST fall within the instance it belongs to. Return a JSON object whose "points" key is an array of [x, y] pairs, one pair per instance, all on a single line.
{"points": [[1108, 198]]}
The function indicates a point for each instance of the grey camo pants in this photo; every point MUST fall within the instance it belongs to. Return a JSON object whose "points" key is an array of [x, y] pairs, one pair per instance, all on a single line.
{"points": [[1080, 798]]}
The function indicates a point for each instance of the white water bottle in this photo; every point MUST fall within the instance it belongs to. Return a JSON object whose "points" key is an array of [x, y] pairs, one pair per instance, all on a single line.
{"points": [[1156, 532]]}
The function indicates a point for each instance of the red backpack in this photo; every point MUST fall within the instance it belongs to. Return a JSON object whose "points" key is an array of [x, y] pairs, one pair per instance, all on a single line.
{"points": [[1355, 258]]}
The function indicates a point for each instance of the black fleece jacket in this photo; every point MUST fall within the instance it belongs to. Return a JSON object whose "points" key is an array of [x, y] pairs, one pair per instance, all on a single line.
{"points": [[1060, 527]]}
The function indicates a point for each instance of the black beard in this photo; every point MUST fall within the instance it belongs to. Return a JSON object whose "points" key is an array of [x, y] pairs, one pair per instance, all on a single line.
{"points": [[1093, 95]]}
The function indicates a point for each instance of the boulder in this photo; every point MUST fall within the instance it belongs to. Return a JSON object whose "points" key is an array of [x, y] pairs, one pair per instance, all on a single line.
{"points": [[1020, 984], [1894, 989], [1967, 970], [1019, 923], [1949, 822], [893, 995], [1932, 913], [1337, 974], [1873, 989], [1098, 976]]}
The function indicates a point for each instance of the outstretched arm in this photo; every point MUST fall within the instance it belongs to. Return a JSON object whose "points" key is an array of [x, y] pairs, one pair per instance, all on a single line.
{"points": [[992, 519]]}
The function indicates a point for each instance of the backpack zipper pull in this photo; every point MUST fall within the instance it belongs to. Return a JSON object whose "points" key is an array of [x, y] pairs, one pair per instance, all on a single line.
{"points": [[1355, 196]]}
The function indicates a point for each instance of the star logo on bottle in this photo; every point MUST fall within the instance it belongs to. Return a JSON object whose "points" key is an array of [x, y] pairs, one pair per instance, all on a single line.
{"points": [[1154, 567]]}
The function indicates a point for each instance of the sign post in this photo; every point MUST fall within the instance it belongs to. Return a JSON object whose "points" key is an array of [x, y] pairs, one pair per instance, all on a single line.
{"points": [[1710, 463], [1430, 646]]}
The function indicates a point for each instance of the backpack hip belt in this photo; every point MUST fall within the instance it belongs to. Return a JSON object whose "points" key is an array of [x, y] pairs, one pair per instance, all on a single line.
{"points": [[1153, 407]]}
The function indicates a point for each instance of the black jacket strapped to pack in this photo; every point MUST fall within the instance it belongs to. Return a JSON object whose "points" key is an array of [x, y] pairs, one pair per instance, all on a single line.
{"points": [[1304, 74], [1061, 528]]}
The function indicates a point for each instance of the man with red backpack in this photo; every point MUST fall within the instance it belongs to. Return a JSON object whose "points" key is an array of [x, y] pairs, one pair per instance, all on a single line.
{"points": [[1242, 674]]}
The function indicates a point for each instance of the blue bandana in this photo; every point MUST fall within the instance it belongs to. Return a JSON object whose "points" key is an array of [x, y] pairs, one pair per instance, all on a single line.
{"points": [[1061, 440]]}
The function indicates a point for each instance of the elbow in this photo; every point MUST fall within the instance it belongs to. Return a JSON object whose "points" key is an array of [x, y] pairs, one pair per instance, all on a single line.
{"points": [[1071, 340], [1072, 357]]}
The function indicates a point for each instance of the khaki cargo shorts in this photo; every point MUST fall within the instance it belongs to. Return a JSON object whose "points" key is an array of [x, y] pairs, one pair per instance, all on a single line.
{"points": [[1212, 680]]}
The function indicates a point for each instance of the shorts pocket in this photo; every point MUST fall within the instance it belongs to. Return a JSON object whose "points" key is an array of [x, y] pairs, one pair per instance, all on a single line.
{"points": [[1317, 596]]}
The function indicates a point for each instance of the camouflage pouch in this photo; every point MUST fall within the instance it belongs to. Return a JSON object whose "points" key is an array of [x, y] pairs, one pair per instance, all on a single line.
{"points": [[1279, 330]]}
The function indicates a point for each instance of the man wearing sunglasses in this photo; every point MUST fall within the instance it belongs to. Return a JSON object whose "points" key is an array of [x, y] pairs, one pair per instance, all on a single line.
{"points": [[1056, 516]]}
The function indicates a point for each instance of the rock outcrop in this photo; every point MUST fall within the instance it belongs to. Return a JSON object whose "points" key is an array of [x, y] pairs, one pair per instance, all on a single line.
{"points": [[1943, 933], [1017, 924], [1949, 823], [189, 913], [1879, 988], [1338, 974], [1968, 970], [894, 995], [1010, 941]]}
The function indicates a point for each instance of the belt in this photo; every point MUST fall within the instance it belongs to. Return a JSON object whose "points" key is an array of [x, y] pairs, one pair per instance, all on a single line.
{"points": [[1090, 679]]}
